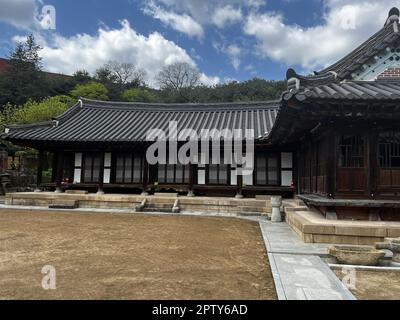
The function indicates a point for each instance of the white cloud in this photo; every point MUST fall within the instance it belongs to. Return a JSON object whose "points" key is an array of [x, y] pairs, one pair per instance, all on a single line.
{"points": [[83, 51], [233, 51], [346, 24], [226, 15], [19, 13], [209, 81], [29, 15], [180, 22], [204, 11]]}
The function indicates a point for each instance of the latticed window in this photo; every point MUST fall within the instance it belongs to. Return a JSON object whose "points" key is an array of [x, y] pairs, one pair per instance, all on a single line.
{"points": [[267, 170], [351, 152], [389, 150], [129, 168], [173, 174], [91, 167]]}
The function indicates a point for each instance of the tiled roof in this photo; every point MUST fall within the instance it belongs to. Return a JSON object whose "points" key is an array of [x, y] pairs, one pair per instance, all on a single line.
{"points": [[387, 38], [350, 90], [96, 121], [381, 40]]}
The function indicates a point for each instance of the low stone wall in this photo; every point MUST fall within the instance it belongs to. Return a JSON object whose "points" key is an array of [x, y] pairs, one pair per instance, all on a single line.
{"points": [[312, 227], [111, 201], [225, 205], [44, 199]]}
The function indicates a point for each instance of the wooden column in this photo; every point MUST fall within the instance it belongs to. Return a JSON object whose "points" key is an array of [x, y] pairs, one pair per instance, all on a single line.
{"points": [[331, 166], [39, 177], [373, 163], [59, 171], [145, 175], [54, 167], [239, 192], [192, 171], [101, 175]]}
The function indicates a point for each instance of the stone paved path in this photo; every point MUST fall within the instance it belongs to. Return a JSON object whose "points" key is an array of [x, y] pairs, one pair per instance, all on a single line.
{"points": [[298, 270]]}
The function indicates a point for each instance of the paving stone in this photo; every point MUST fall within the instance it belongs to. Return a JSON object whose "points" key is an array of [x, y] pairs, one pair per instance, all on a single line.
{"points": [[298, 270], [307, 277]]}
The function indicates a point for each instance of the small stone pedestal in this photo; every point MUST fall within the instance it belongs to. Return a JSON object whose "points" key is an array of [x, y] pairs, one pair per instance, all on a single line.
{"points": [[394, 246], [191, 194], [276, 203]]}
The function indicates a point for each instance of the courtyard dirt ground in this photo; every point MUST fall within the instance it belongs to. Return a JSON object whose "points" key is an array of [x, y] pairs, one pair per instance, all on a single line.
{"points": [[371, 285], [104, 256]]}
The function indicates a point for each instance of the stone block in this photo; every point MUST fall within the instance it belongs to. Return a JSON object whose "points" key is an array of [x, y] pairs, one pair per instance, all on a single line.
{"points": [[393, 232], [263, 197], [81, 192], [318, 228], [166, 195], [360, 231]]}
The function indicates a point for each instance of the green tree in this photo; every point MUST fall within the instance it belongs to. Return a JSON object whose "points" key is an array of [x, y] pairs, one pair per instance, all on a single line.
{"points": [[32, 112], [23, 78], [139, 95], [82, 76], [91, 90]]}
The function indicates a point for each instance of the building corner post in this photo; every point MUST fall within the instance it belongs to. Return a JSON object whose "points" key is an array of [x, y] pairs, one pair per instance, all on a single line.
{"points": [[192, 171], [39, 177], [239, 191], [145, 177], [59, 171], [100, 190]]}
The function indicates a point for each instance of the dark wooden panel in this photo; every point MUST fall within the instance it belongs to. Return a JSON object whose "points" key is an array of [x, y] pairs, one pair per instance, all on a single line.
{"points": [[351, 180]]}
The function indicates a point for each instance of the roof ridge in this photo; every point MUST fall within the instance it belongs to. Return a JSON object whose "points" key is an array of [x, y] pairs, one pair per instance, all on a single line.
{"points": [[176, 106]]}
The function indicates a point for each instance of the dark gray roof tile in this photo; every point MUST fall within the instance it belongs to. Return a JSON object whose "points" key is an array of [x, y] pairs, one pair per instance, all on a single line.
{"points": [[351, 90], [97, 121]]}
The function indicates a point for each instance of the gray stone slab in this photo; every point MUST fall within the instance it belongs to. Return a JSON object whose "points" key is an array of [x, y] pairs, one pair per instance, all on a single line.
{"points": [[280, 238], [298, 270], [307, 277]]}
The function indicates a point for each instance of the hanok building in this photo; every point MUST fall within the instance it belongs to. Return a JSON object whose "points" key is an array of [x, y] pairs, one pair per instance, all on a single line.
{"points": [[333, 138]]}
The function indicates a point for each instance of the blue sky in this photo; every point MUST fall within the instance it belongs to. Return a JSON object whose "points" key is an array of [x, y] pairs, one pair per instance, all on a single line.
{"points": [[224, 39]]}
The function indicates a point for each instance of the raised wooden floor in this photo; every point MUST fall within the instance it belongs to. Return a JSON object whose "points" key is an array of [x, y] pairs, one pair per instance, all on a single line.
{"points": [[319, 201]]}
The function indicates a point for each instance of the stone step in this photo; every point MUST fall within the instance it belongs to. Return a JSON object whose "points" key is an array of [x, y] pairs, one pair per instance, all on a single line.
{"points": [[64, 204], [295, 209], [252, 214], [255, 209], [299, 202], [161, 201], [79, 192], [157, 210], [166, 195], [158, 206], [262, 197]]}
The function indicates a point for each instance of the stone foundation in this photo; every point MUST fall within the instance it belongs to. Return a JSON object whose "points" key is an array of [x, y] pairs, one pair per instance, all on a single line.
{"points": [[112, 201], [312, 227]]}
